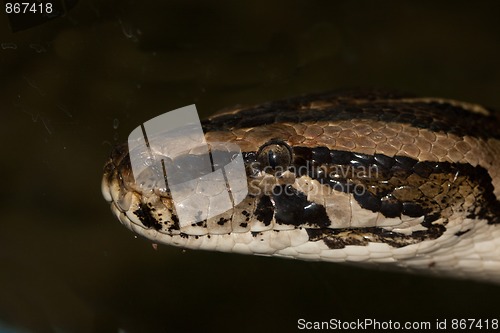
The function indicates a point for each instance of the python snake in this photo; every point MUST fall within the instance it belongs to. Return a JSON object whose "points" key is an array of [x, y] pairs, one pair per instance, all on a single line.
{"points": [[365, 177]]}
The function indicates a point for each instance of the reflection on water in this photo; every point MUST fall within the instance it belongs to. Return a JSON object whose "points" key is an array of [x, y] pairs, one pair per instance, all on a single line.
{"points": [[76, 86]]}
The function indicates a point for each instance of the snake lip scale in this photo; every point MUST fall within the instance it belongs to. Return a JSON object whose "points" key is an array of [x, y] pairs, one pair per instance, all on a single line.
{"points": [[372, 178]]}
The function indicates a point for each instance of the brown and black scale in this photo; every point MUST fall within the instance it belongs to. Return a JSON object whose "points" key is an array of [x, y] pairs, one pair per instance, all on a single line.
{"points": [[402, 185], [361, 104]]}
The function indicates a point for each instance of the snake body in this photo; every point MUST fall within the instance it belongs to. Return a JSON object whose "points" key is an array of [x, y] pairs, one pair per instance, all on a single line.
{"points": [[366, 177]]}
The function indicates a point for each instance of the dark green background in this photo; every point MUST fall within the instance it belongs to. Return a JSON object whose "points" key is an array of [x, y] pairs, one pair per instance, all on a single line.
{"points": [[75, 86]]}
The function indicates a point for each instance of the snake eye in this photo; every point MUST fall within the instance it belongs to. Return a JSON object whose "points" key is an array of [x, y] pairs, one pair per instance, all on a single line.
{"points": [[274, 156]]}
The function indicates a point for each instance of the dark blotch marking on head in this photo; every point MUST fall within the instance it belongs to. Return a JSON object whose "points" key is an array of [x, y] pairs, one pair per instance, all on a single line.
{"points": [[264, 210], [340, 238], [321, 155], [341, 157], [199, 224], [175, 221], [413, 209], [384, 161], [423, 169], [460, 233], [222, 221], [368, 200], [405, 162], [428, 219], [146, 218], [391, 207], [362, 159], [293, 208]]}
